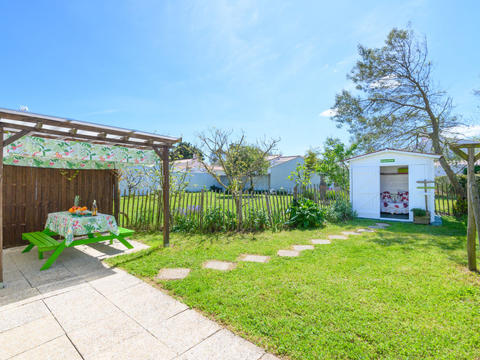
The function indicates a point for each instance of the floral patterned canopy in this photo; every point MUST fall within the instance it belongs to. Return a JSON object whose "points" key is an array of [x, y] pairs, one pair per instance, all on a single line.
{"points": [[50, 153]]}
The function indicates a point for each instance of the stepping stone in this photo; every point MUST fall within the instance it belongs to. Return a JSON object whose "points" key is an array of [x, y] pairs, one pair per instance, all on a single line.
{"points": [[320, 242], [383, 224], [254, 258], [376, 227], [219, 265], [173, 274], [365, 230], [302, 247], [288, 253], [337, 237], [350, 233]]}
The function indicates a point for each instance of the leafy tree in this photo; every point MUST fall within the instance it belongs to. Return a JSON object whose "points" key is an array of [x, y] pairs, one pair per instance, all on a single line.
{"points": [[311, 160], [302, 176], [238, 159], [184, 150], [396, 103], [331, 165]]}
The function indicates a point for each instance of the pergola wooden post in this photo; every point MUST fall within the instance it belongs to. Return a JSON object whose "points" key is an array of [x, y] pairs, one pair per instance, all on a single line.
{"points": [[473, 198], [163, 154], [20, 123]]}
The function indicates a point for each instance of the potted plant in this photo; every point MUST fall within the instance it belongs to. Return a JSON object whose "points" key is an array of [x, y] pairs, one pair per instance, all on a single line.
{"points": [[421, 216]]}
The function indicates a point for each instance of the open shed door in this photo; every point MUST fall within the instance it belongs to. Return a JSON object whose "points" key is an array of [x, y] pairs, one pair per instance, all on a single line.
{"points": [[366, 191]]}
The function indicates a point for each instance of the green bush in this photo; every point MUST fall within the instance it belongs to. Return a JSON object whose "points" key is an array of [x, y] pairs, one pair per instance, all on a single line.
{"points": [[339, 211], [182, 223], [419, 212], [217, 219], [304, 214], [255, 220]]}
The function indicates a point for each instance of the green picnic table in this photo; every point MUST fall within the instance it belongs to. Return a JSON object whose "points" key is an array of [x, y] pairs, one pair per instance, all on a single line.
{"points": [[93, 229]]}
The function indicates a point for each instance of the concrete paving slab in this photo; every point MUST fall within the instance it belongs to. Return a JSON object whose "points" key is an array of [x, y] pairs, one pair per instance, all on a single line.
{"points": [[302, 247], [224, 345], [80, 307], [29, 335], [172, 273], [219, 265], [141, 301], [337, 237], [57, 349], [185, 330], [365, 230], [288, 253], [11, 275], [140, 347], [320, 241], [254, 258], [351, 233], [11, 318], [55, 273], [62, 286], [17, 298], [104, 334], [376, 227], [382, 224], [114, 282]]}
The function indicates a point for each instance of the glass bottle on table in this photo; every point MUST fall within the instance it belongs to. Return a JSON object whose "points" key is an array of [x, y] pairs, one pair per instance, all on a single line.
{"points": [[94, 208]]}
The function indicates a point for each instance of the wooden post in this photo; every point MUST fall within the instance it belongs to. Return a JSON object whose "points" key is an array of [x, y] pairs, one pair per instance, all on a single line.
{"points": [[1, 208], [163, 154], [116, 199], [473, 198], [471, 235]]}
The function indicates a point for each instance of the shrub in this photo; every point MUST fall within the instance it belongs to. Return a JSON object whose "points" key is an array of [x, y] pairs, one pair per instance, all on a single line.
{"points": [[419, 212], [217, 219], [304, 214], [255, 220], [216, 188], [339, 211], [184, 223]]}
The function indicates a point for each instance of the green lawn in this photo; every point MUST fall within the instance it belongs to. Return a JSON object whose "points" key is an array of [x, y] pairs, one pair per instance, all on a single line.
{"points": [[400, 293]]}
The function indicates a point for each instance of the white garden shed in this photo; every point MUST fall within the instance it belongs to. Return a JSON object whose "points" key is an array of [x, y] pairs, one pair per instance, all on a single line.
{"points": [[385, 184]]}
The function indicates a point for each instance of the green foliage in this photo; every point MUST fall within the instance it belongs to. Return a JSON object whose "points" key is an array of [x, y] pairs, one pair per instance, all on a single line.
{"points": [[185, 224], [185, 150], [304, 214], [331, 164], [301, 176], [340, 210], [255, 220], [217, 220], [419, 212]]}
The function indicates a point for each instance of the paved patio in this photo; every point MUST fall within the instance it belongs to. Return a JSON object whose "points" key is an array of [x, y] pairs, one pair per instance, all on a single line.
{"points": [[81, 309]]}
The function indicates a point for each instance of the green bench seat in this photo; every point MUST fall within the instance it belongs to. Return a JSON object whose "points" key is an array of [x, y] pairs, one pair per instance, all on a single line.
{"points": [[125, 232], [42, 240]]}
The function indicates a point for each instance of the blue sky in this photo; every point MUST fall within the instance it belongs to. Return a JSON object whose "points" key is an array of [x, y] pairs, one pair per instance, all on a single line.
{"points": [[178, 67]]}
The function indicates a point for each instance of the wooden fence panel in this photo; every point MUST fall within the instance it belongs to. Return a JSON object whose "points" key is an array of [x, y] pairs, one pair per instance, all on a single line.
{"points": [[31, 193]]}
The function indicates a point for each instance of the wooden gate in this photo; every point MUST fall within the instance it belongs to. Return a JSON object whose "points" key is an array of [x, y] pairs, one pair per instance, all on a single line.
{"points": [[31, 193]]}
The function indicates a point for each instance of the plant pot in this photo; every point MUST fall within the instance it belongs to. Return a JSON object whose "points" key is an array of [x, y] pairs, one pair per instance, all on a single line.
{"points": [[423, 220]]}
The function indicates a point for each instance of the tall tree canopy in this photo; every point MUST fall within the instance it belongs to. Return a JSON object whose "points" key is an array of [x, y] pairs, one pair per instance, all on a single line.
{"points": [[184, 150], [396, 103]]}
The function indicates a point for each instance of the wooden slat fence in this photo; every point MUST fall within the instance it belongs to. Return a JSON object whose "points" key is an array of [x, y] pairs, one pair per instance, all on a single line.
{"points": [[141, 209]]}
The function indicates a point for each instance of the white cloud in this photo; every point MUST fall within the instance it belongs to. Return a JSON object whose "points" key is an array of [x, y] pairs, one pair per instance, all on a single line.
{"points": [[464, 131], [328, 113], [387, 82]]}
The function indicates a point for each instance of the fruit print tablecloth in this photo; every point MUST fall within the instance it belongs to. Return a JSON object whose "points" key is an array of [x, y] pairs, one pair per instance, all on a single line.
{"points": [[65, 224]]}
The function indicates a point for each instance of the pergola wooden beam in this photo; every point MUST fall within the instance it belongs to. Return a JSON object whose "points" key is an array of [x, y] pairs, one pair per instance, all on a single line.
{"points": [[24, 123]]}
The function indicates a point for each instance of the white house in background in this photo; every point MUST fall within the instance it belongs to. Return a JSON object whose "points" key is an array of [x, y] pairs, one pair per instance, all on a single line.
{"points": [[384, 184], [276, 178]]}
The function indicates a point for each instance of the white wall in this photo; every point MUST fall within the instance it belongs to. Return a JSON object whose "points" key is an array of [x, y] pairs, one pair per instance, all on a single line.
{"points": [[365, 182], [200, 180], [393, 183], [279, 175]]}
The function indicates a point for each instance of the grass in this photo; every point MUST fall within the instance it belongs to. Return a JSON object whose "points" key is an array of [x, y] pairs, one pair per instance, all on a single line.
{"points": [[402, 292]]}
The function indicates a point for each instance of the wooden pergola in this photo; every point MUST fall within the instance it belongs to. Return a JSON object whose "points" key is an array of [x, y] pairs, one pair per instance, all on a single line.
{"points": [[466, 150], [21, 124]]}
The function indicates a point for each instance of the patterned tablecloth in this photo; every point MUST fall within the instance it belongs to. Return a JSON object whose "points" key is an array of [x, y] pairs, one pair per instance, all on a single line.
{"points": [[68, 226]]}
